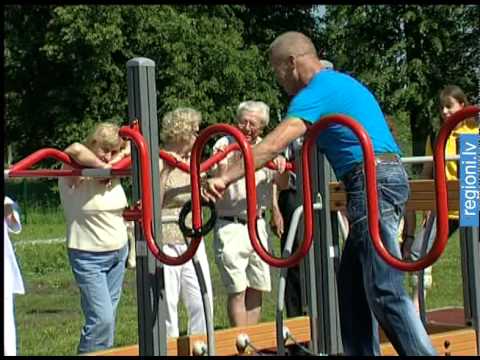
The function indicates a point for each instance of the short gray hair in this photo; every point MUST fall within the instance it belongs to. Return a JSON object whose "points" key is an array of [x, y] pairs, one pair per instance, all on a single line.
{"points": [[179, 125], [255, 106]]}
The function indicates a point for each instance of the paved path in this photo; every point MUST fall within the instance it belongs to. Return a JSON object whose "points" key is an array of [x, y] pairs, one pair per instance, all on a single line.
{"points": [[36, 242]]}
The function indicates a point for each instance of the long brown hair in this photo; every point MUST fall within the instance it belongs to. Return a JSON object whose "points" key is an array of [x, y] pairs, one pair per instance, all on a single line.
{"points": [[455, 92]]}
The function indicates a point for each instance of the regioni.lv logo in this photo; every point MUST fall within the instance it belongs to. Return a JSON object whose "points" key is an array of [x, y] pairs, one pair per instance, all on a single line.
{"points": [[469, 180]]}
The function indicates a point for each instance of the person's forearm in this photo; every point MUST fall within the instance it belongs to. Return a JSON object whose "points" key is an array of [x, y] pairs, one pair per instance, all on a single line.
{"points": [[84, 156], [124, 152], [262, 153], [270, 147]]}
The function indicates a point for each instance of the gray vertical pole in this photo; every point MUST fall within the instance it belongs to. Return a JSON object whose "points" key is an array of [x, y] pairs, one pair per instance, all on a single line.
{"points": [[470, 258], [142, 105], [320, 266], [327, 261], [307, 271]]}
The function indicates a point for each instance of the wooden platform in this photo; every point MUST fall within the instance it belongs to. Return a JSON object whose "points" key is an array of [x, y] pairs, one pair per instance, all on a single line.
{"points": [[262, 335], [448, 331], [132, 350]]}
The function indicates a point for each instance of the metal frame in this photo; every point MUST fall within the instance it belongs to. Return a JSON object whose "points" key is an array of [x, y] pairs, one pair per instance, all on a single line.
{"points": [[319, 293], [142, 105], [470, 260], [319, 289]]}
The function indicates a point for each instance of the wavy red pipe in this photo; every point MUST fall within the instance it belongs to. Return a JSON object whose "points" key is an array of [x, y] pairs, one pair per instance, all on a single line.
{"points": [[251, 192], [205, 166], [371, 189], [147, 203]]}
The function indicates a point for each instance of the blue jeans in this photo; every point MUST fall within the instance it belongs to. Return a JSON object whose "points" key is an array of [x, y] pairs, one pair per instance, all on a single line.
{"points": [[369, 289], [99, 275]]}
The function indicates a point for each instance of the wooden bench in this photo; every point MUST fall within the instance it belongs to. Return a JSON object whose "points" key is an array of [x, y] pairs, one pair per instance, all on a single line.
{"points": [[422, 195]]}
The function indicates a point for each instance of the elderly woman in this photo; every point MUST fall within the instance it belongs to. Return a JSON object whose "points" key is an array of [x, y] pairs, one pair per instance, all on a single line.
{"points": [[96, 234], [179, 132], [243, 272]]}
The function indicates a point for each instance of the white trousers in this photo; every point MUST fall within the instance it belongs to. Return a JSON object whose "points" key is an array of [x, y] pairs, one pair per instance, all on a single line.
{"points": [[181, 281], [9, 332]]}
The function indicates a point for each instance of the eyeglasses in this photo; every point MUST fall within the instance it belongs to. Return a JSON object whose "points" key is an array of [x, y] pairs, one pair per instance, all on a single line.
{"points": [[247, 124]]}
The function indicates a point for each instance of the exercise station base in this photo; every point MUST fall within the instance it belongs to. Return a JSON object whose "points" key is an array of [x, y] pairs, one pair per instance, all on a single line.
{"points": [[448, 331]]}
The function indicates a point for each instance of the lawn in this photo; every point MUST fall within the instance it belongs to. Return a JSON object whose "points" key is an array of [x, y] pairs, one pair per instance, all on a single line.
{"points": [[49, 318]]}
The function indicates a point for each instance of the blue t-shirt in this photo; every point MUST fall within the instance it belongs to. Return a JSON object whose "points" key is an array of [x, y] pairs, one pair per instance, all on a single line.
{"points": [[331, 92]]}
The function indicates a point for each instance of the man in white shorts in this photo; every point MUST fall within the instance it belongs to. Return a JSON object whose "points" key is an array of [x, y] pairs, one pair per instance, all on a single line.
{"points": [[243, 272]]}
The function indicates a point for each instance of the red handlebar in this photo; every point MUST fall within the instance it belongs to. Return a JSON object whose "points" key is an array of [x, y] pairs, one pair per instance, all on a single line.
{"points": [[22, 168], [251, 192], [371, 180], [205, 166], [147, 204], [42, 154]]}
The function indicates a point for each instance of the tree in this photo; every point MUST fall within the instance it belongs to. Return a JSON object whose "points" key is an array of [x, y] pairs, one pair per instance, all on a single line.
{"points": [[69, 69], [406, 54]]}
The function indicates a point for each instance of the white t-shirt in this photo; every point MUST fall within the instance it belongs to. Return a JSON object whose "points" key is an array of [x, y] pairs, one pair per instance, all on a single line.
{"points": [[93, 212], [234, 201]]}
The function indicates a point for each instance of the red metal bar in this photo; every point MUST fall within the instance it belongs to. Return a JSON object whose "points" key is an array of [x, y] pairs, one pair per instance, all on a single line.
{"points": [[147, 203], [251, 192], [42, 154], [441, 198], [23, 167], [371, 184], [205, 166], [123, 164], [62, 173]]}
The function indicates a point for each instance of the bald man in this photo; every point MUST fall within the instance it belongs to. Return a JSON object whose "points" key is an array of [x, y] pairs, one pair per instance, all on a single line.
{"points": [[370, 291]]}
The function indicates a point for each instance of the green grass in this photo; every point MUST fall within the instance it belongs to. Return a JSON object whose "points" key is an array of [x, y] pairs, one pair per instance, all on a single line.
{"points": [[49, 317]]}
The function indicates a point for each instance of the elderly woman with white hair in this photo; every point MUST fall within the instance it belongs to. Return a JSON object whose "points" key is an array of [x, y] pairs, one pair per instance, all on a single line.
{"points": [[245, 275], [178, 133]]}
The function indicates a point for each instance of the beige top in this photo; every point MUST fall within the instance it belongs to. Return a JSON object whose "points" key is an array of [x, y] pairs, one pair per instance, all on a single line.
{"points": [[177, 191], [234, 201], [93, 212]]}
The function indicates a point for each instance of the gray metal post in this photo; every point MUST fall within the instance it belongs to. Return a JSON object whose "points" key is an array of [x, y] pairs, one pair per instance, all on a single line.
{"points": [[470, 257], [142, 105], [321, 263]]}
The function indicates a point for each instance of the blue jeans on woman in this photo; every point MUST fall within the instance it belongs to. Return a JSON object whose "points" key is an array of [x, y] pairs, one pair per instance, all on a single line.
{"points": [[99, 275], [371, 292]]}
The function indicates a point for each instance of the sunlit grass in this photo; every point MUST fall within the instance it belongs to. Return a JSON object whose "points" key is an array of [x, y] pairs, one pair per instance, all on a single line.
{"points": [[49, 317]]}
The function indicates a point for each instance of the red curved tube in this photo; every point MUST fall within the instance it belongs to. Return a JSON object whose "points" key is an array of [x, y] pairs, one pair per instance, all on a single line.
{"points": [[205, 166], [147, 203], [371, 186], [50, 173], [42, 154], [246, 149], [441, 197], [23, 167]]}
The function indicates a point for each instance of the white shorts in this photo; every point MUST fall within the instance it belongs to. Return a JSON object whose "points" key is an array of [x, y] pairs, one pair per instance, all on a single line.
{"points": [[238, 263]]}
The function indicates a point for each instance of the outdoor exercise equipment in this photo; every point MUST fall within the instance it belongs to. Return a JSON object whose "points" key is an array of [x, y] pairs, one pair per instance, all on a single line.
{"points": [[318, 266]]}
